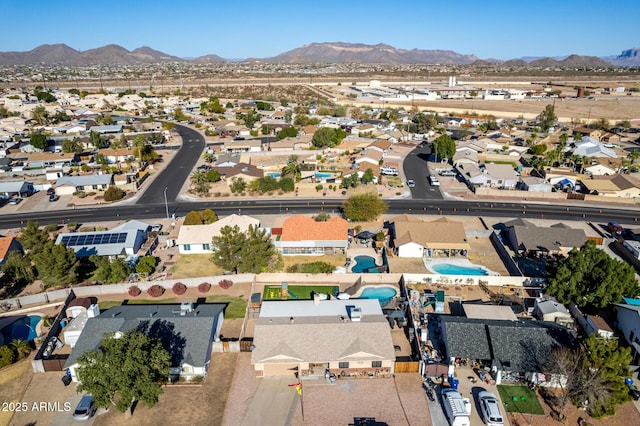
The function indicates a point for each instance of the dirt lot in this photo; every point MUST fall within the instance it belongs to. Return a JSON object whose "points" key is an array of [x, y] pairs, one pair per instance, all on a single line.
{"points": [[201, 405]]}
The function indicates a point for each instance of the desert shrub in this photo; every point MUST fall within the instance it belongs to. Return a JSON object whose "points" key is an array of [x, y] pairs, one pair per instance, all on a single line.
{"points": [[91, 194], [225, 284], [7, 356], [179, 289], [197, 379], [156, 290], [204, 287], [134, 291], [80, 194], [113, 193], [311, 268], [52, 227], [72, 226]]}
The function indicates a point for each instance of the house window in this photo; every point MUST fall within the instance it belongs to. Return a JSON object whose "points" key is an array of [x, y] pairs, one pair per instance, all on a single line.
{"points": [[187, 247], [343, 365], [206, 247], [376, 364]]}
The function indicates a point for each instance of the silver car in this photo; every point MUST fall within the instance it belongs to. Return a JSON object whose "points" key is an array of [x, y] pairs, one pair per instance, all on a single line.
{"points": [[490, 407], [85, 409]]}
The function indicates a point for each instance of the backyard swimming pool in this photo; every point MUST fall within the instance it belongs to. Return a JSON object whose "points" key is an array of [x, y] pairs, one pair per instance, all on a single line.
{"points": [[450, 269], [22, 329], [363, 264], [384, 294], [323, 175], [275, 175]]}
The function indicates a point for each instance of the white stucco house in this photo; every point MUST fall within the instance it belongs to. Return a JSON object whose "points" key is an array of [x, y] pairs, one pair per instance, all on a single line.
{"points": [[196, 239]]}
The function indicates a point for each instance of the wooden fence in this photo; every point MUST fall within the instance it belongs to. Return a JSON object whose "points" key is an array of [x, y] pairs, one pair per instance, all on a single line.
{"points": [[407, 367]]}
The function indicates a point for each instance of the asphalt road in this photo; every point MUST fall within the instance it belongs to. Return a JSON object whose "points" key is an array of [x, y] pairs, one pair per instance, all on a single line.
{"points": [[177, 173], [415, 167], [532, 210]]}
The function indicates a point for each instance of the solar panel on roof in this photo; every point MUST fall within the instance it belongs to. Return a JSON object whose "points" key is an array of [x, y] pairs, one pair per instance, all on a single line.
{"points": [[94, 239], [65, 240]]}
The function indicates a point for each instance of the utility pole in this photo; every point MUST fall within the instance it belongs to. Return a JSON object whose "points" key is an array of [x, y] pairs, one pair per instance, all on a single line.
{"points": [[166, 205]]}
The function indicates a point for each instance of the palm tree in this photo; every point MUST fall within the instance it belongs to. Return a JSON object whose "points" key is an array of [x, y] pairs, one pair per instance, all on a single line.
{"points": [[22, 347], [632, 156], [198, 181], [292, 168]]}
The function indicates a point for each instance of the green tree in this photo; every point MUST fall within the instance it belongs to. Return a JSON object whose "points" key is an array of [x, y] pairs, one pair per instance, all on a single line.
{"points": [[292, 168], [72, 145], [287, 184], [258, 254], [538, 149], [228, 248], [208, 216], [213, 176], [32, 238], [109, 272], [96, 140], [60, 116], [146, 265], [264, 184], [38, 141], [126, 368], [368, 176], [238, 185], [590, 278], [192, 218], [602, 124], [363, 207], [328, 137], [199, 182], [287, 132], [601, 380], [56, 264], [179, 115], [444, 146], [250, 118], [17, 270], [7, 356], [264, 106], [22, 347], [422, 123], [40, 115], [547, 117]]}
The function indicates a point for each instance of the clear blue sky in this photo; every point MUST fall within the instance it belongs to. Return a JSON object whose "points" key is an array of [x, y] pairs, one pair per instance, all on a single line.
{"points": [[241, 29]]}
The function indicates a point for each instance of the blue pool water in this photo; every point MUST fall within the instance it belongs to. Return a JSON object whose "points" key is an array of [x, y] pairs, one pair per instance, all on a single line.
{"points": [[323, 175], [275, 175], [384, 294], [23, 329], [449, 269], [363, 263]]}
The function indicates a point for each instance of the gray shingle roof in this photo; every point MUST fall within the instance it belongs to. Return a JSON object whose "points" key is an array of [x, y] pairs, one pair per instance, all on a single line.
{"points": [[550, 239], [187, 338], [104, 179], [522, 345]]}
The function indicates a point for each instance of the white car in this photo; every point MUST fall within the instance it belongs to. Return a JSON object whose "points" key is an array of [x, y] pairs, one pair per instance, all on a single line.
{"points": [[411, 183], [490, 407], [434, 180]]}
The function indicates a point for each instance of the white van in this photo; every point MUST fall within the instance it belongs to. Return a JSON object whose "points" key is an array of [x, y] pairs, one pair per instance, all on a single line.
{"points": [[434, 180]]}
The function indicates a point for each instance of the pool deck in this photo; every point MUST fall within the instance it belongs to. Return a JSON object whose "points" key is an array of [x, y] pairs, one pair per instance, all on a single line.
{"points": [[359, 250]]}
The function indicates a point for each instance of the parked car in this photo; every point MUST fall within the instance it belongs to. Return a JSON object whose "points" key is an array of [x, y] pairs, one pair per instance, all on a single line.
{"points": [[51, 191], [634, 392], [615, 228], [411, 183], [434, 180], [53, 197], [490, 408], [85, 409], [15, 200]]}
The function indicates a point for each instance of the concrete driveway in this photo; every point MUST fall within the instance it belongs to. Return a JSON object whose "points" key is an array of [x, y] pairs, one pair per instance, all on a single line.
{"points": [[273, 402]]}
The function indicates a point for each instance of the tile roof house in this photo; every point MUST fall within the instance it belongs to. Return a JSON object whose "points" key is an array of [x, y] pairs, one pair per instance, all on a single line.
{"points": [[7, 245], [185, 330], [526, 238], [245, 171], [307, 337], [196, 239], [415, 238], [67, 185], [520, 346], [302, 235]]}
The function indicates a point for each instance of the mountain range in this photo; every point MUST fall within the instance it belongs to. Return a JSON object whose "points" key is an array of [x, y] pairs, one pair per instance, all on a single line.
{"points": [[337, 52]]}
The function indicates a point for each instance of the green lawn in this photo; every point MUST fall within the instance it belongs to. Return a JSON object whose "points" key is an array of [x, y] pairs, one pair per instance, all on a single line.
{"points": [[519, 399], [235, 309], [302, 292]]}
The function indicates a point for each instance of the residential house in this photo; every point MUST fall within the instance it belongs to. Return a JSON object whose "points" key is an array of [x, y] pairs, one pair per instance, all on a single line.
{"points": [[310, 338], [527, 239], [123, 240], [196, 239], [227, 159], [247, 145], [599, 170], [492, 175], [67, 185], [186, 331], [369, 157], [456, 121], [110, 129], [535, 184], [245, 171], [412, 237], [518, 347], [382, 146], [40, 160], [20, 188], [7, 245], [298, 143], [465, 155], [597, 324], [117, 155], [627, 321], [588, 147], [617, 186], [302, 235]]}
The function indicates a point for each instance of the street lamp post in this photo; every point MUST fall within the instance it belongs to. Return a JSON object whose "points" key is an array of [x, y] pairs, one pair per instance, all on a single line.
{"points": [[166, 206]]}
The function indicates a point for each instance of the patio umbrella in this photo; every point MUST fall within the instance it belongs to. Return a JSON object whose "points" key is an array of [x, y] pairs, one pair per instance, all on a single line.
{"points": [[365, 235]]}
